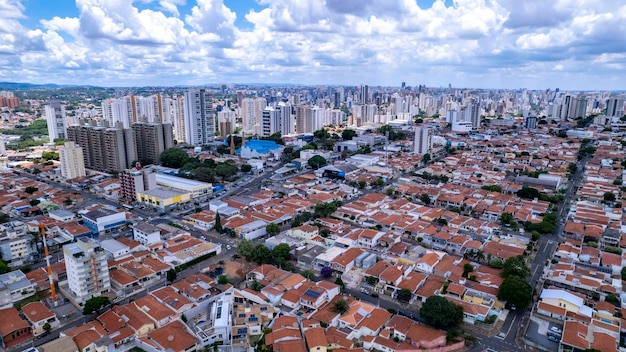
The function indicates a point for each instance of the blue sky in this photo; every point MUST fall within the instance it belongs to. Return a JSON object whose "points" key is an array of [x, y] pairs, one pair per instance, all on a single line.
{"points": [[570, 44]]}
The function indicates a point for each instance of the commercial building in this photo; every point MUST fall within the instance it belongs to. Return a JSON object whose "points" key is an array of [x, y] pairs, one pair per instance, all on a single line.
{"points": [[261, 149], [199, 117], [146, 233], [72, 161], [103, 220], [194, 188], [87, 270]]}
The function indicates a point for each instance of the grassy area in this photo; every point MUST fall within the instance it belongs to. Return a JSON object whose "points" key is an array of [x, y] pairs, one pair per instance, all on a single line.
{"points": [[39, 296]]}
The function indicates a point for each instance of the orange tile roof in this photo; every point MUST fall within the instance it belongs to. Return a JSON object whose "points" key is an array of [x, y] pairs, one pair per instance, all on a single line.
{"points": [[173, 336], [315, 337], [11, 321], [37, 311]]}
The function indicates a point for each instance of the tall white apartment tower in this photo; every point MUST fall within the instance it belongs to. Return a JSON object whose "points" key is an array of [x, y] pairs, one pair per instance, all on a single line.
{"points": [[199, 117], [270, 122], [87, 269], [71, 159], [286, 120], [423, 140], [251, 112], [56, 120]]}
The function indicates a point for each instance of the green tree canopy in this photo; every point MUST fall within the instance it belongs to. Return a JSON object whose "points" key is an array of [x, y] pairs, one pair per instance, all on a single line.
{"points": [[404, 295], [171, 275], [515, 266], [506, 218], [173, 157], [317, 161], [246, 168], [441, 313], [92, 305], [515, 290], [222, 279], [245, 249], [340, 306], [425, 198], [609, 197], [347, 134], [282, 252], [261, 254], [272, 229]]}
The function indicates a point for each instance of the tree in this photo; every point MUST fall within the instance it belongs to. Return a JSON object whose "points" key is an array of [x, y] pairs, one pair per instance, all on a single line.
{"points": [[174, 157], [467, 268], [246, 168], [339, 282], [222, 280], [272, 229], [261, 254], [34, 202], [624, 273], [94, 304], [67, 201], [317, 161], [226, 170], [426, 158], [506, 218], [4, 218], [307, 274], [326, 272], [425, 198], [609, 197], [47, 327], [218, 223], [282, 252], [515, 266], [441, 313], [171, 275], [516, 291], [31, 189], [256, 286], [404, 295], [340, 306], [528, 193], [347, 134], [245, 249]]}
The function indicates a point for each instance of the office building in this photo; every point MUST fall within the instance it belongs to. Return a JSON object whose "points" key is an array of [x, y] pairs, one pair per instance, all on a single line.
{"points": [[104, 149], [199, 117], [615, 106], [423, 140], [151, 139], [72, 161], [87, 270], [531, 122], [56, 120]]}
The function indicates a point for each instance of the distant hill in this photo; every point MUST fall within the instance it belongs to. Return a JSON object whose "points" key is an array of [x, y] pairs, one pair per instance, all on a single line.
{"points": [[23, 86]]}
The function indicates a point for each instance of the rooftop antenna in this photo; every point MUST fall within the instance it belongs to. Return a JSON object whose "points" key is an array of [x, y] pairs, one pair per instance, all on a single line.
{"points": [[42, 229]]}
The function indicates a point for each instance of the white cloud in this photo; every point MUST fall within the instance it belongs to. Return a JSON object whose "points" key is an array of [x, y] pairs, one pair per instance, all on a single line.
{"points": [[119, 42]]}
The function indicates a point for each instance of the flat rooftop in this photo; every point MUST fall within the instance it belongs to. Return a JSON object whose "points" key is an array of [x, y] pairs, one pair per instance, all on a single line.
{"points": [[179, 182]]}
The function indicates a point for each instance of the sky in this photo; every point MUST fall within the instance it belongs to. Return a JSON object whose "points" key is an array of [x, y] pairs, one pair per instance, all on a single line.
{"points": [[535, 44]]}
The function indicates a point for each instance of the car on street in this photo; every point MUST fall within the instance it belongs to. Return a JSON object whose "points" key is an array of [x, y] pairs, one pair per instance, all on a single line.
{"points": [[374, 295], [228, 247], [365, 291]]}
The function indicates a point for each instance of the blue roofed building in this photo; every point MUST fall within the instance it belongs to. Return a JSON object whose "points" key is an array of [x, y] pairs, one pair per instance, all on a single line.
{"points": [[261, 149], [102, 220]]}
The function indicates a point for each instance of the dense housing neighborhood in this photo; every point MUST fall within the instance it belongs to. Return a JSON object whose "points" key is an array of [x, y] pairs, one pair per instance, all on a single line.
{"points": [[379, 220]]}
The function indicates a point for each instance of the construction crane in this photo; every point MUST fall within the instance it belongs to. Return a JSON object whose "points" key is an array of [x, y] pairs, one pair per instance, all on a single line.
{"points": [[42, 229]]}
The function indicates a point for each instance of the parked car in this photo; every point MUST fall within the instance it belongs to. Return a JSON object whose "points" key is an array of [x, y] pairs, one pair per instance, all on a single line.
{"points": [[553, 338], [375, 295], [363, 290], [556, 330]]}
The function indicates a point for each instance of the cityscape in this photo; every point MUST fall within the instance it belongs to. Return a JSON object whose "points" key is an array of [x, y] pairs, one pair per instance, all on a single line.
{"points": [[312, 176]]}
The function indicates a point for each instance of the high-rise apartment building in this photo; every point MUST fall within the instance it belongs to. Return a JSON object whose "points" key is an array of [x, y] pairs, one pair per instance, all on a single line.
{"points": [[87, 269], [423, 140], [364, 94], [251, 111], [104, 149], [304, 119], [72, 161], [226, 119], [286, 119], [199, 117], [270, 122], [151, 139], [56, 120], [615, 106]]}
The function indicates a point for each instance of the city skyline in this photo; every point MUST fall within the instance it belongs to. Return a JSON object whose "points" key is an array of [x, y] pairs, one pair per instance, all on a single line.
{"points": [[569, 44]]}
